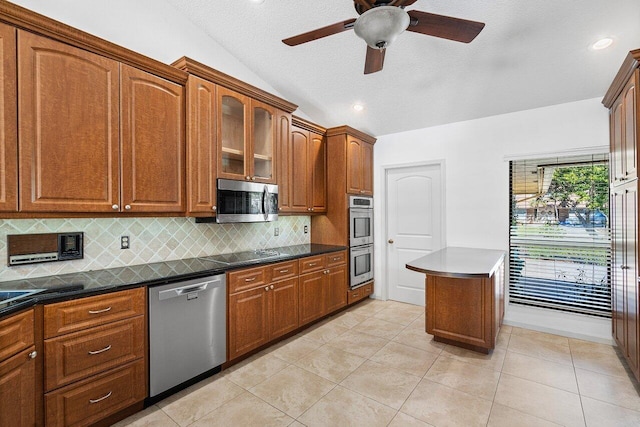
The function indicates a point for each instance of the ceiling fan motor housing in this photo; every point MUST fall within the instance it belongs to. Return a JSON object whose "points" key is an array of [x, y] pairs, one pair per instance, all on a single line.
{"points": [[380, 26]]}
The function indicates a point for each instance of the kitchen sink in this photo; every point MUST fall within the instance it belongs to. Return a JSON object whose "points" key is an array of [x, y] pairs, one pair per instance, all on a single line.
{"points": [[9, 295]]}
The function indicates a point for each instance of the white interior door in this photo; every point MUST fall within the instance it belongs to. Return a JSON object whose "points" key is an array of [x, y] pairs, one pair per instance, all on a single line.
{"points": [[414, 226]]}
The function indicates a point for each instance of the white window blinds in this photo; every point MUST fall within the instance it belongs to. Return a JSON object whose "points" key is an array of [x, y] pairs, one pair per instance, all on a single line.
{"points": [[559, 244]]}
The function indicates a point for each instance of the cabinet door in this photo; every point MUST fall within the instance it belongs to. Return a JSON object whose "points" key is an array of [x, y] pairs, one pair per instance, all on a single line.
{"points": [[311, 296], [8, 121], [283, 311], [68, 128], [617, 273], [367, 169], [233, 134], [615, 139], [248, 321], [630, 143], [354, 165], [336, 289], [201, 146], [299, 168], [631, 277], [262, 148], [318, 170], [285, 160], [18, 390], [152, 143]]}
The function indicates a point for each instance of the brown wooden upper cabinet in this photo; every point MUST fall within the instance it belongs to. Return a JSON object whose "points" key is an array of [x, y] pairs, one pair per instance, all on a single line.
{"points": [[303, 166], [623, 133], [359, 166], [8, 121], [247, 136], [95, 135], [152, 142], [202, 152]]}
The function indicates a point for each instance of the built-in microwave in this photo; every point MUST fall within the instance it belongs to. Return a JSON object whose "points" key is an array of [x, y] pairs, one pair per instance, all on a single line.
{"points": [[360, 265], [360, 221], [240, 201]]}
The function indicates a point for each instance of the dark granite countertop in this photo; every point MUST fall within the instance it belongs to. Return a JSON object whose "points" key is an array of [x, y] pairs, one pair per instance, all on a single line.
{"points": [[458, 262], [74, 285]]}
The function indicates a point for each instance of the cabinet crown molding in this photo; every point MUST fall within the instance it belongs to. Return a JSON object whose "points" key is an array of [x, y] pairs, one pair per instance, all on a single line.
{"points": [[351, 131], [307, 125], [629, 65], [34, 22], [199, 69]]}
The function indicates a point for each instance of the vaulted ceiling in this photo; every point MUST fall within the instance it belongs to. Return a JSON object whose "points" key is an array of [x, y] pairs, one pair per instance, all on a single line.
{"points": [[530, 54]]}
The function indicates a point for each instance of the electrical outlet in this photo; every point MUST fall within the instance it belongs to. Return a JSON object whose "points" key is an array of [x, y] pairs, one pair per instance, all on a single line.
{"points": [[276, 231], [306, 229], [124, 242]]}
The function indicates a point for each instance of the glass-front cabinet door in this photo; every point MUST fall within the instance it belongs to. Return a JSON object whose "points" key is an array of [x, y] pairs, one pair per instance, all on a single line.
{"points": [[263, 142], [233, 135]]}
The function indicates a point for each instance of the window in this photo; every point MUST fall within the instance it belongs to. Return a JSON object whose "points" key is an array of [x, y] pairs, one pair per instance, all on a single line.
{"points": [[559, 241]]}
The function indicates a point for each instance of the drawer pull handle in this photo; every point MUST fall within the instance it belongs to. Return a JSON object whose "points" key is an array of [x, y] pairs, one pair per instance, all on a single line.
{"points": [[312, 264], [33, 355], [250, 279], [284, 271], [336, 258], [104, 310], [101, 351], [100, 399]]}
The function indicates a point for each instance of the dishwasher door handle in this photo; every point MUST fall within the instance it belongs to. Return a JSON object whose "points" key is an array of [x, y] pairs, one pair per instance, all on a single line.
{"points": [[183, 290]]}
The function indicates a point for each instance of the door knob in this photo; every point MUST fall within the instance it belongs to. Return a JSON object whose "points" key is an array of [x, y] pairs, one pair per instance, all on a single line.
{"points": [[391, 241]]}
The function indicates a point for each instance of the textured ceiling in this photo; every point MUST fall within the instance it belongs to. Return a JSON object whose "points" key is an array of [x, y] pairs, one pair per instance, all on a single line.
{"points": [[530, 54]]}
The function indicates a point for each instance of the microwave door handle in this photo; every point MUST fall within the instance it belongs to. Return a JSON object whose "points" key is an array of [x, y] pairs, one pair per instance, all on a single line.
{"points": [[265, 202]]}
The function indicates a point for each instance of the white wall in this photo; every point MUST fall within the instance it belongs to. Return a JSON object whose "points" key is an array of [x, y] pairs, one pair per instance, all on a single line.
{"points": [[477, 182], [150, 27]]}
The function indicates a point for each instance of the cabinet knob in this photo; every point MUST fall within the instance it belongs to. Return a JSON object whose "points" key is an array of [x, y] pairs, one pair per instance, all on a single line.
{"points": [[253, 178], [115, 207], [248, 178], [214, 208], [127, 207], [361, 191], [391, 241], [313, 209], [266, 288], [271, 287], [33, 354]]}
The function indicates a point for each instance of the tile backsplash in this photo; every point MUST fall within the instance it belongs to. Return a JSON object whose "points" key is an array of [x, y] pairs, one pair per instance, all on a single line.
{"points": [[152, 240]]}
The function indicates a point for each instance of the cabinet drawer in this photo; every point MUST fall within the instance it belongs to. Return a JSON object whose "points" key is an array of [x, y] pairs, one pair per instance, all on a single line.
{"points": [[70, 316], [360, 293], [336, 258], [16, 333], [97, 397], [74, 356], [247, 278], [283, 270], [312, 263]]}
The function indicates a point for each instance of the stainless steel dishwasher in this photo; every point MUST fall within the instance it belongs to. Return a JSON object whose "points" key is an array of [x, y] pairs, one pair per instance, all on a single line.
{"points": [[187, 331]]}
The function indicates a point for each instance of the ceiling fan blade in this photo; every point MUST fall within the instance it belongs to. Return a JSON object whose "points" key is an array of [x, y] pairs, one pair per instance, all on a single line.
{"points": [[446, 27], [374, 61], [320, 33], [362, 5]]}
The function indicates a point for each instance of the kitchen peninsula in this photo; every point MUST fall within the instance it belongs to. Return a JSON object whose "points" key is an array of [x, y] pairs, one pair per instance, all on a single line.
{"points": [[464, 295]]}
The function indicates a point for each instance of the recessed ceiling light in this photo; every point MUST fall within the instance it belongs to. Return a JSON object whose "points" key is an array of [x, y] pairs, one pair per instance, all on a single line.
{"points": [[602, 43], [257, 1], [358, 107]]}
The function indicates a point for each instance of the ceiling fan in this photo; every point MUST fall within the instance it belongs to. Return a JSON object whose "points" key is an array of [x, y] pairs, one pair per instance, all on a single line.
{"points": [[381, 21]]}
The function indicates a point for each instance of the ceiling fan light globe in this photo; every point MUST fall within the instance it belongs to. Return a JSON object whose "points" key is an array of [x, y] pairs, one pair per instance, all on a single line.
{"points": [[380, 26]]}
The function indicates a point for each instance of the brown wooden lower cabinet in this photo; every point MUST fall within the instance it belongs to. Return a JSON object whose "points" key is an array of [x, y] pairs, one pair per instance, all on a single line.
{"points": [[17, 390], [98, 366], [355, 295], [88, 401], [268, 302], [263, 313]]}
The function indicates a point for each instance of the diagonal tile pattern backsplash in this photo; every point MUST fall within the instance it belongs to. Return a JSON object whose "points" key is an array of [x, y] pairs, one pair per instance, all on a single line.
{"points": [[152, 240]]}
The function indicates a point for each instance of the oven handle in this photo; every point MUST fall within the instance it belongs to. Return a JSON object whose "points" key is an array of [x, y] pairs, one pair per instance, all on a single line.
{"points": [[362, 249]]}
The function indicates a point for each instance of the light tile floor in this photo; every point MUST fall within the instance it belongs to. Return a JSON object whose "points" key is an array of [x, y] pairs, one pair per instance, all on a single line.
{"points": [[374, 365]]}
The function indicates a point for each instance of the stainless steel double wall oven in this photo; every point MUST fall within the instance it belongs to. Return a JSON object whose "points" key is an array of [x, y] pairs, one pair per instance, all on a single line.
{"points": [[360, 240]]}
